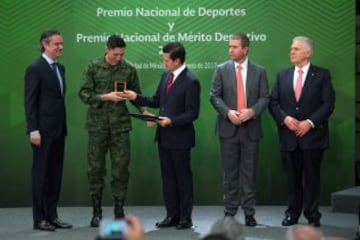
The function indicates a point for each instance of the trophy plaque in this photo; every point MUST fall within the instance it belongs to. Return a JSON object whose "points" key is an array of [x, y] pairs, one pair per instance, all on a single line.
{"points": [[148, 118], [119, 86]]}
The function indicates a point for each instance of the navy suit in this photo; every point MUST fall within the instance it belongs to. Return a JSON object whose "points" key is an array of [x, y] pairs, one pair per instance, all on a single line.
{"points": [[302, 155], [181, 104], [45, 112]]}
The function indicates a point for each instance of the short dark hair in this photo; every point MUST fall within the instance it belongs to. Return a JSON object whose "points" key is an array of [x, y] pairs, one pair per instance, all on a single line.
{"points": [[45, 37], [115, 41], [245, 42], [175, 50]]}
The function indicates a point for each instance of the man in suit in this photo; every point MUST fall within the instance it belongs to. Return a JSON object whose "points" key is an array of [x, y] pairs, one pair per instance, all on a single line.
{"points": [[46, 124], [239, 93], [301, 102], [178, 97]]}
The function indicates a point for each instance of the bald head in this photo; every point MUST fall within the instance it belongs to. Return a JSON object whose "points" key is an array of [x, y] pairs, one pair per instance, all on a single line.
{"points": [[303, 232]]}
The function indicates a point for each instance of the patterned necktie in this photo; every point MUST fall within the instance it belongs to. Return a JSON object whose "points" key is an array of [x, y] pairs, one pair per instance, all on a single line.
{"points": [[298, 85], [169, 83], [241, 100]]}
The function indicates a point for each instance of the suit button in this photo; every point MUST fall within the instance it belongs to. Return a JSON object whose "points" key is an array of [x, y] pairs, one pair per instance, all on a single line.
{"points": [[297, 108]]}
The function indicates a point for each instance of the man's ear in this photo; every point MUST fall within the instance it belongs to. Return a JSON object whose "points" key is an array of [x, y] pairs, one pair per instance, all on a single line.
{"points": [[177, 61]]}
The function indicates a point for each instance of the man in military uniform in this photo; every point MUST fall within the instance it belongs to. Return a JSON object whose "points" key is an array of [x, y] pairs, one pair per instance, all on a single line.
{"points": [[108, 123]]}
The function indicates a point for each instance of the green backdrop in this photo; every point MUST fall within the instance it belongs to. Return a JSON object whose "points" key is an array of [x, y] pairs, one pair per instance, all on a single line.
{"points": [[203, 27]]}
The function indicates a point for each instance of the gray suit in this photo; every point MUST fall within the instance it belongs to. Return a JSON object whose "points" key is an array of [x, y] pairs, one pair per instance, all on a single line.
{"points": [[239, 143]]}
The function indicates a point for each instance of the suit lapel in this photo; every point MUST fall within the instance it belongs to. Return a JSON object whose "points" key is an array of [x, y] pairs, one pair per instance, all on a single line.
{"points": [[53, 77], [249, 80], [231, 77], [290, 83], [175, 84], [177, 81], [61, 70], [308, 81]]}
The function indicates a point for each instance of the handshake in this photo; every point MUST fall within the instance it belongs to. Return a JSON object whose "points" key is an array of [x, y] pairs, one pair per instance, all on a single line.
{"points": [[117, 96]]}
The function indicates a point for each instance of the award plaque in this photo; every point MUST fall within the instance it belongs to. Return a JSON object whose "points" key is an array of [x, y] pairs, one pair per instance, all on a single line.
{"points": [[119, 86], [150, 118]]}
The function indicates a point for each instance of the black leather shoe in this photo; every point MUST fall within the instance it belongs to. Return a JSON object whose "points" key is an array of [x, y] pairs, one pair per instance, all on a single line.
{"points": [[314, 222], [184, 224], [288, 221], [250, 221], [60, 224], [167, 222], [44, 226]]}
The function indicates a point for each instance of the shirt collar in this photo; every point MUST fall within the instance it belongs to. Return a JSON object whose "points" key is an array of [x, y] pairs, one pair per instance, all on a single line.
{"points": [[178, 71], [47, 59], [305, 68], [244, 64]]}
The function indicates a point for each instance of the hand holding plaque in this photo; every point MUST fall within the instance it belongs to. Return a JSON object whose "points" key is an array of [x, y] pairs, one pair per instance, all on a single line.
{"points": [[119, 86]]}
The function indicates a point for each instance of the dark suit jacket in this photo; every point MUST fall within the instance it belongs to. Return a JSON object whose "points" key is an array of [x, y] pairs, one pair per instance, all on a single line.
{"points": [[316, 103], [44, 103], [181, 105], [223, 97]]}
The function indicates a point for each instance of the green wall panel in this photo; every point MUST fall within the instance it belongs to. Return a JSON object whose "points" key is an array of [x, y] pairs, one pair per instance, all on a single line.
{"points": [[270, 24]]}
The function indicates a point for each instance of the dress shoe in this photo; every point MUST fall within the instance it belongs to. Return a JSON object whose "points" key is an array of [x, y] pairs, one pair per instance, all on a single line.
{"points": [[288, 221], [250, 221], [184, 224], [44, 226], [314, 222], [167, 222], [60, 224]]}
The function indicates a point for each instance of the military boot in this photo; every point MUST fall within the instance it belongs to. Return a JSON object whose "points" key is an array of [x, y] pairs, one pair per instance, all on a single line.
{"points": [[97, 213], [118, 209]]}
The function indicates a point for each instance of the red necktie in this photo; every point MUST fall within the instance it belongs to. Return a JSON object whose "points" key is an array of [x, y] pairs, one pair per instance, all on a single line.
{"points": [[169, 83], [298, 85], [241, 100]]}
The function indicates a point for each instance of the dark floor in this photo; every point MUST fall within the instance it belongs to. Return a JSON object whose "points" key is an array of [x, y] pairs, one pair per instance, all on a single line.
{"points": [[16, 223]]}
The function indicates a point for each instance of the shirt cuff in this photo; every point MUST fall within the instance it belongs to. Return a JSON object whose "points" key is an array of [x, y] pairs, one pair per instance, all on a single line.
{"points": [[34, 132], [311, 123]]}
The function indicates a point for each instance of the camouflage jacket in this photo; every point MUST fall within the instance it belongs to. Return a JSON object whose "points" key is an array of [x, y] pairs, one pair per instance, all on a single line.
{"points": [[98, 78]]}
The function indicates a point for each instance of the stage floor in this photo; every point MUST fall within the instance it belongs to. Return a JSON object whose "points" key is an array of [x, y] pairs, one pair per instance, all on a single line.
{"points": [[16, 223]]}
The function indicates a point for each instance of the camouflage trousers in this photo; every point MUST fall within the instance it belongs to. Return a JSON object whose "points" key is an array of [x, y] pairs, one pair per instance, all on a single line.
{"points": [[118, 144]]}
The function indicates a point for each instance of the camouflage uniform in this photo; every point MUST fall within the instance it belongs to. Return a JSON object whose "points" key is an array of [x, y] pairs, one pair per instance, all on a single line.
{"points": [[108, 125]]}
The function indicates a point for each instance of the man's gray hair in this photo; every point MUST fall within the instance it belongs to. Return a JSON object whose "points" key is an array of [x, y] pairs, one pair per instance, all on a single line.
{"points": [[307, 41], [229, 227]]}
